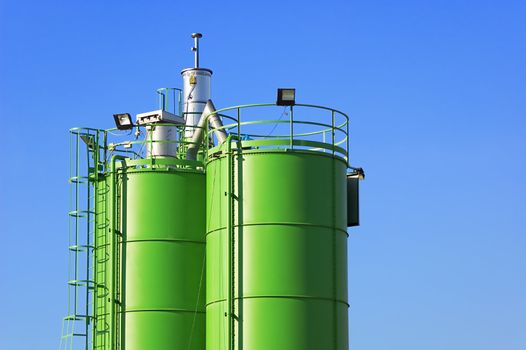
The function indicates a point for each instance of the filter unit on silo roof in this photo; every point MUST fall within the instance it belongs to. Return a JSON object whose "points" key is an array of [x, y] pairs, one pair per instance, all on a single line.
{"points": [[267, 211]]}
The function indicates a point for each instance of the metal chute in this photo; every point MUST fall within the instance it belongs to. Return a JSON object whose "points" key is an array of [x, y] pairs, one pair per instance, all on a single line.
{"points": [[208, 116]]}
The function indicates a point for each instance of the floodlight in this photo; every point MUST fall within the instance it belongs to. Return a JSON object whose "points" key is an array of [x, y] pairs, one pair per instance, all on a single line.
{"points": [[286, 97], [358, 173], [123, 121]]}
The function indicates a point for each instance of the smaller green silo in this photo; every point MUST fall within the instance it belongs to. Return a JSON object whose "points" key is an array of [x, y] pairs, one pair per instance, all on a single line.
{"points": [[163, 257]]}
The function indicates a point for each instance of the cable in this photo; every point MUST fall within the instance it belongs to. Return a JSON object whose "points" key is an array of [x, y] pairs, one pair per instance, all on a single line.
{"points": [[284, 113]]}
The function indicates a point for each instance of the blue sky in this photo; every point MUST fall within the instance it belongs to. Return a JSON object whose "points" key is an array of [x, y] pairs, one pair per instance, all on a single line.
{"points": [[437, 95]]}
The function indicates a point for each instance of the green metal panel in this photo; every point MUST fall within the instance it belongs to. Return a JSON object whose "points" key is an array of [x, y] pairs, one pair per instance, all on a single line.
{"points": [[276, 251], [159, 291]]}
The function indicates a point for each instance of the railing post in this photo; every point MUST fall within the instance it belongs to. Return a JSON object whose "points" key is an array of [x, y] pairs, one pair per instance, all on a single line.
{"points": [[77, 190], [347, 137], [150, 134], [332, 127], [105, 149], [292, 127], [238, 124], [174, 100], [206, 141], [180, 102]]}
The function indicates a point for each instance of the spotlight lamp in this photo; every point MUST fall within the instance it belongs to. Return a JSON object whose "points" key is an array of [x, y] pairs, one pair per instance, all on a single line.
{"points": [[286, 97], [123, 121], [358, 172]]}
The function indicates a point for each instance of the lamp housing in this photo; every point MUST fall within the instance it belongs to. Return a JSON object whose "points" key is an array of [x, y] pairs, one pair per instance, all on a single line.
{"points": [[123, 121], [286, 97]]}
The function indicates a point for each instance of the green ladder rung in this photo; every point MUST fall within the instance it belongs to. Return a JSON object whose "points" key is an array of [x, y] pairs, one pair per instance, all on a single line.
{"points": [[82, 283], [77, 317], [79, 179], [81, 247], [69, 335], [80, 213]]}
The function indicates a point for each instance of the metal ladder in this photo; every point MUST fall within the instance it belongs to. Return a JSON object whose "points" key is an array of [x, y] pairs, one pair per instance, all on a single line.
{"points": [[101, 326], [77, 325]]}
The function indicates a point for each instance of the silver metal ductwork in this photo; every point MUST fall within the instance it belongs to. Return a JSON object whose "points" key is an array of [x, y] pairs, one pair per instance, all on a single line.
{"points": [[208, 116]]}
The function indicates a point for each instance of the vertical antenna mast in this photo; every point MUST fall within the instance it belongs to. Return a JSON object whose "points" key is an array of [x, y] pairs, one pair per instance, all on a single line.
{"points": [[195, 49]]}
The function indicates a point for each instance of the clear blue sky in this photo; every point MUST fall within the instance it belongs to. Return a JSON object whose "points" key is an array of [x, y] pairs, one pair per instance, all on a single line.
{"points": [[437, 94]]}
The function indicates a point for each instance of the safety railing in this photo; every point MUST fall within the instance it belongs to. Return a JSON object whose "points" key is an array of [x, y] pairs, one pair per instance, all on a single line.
{"points": [[257, 126], [147, 145], [171, 100], [302, 127]]}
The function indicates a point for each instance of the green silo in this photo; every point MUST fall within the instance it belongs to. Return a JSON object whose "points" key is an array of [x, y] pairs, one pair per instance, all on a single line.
{"points": [[277, 243], [155, 274], [163, 258]]}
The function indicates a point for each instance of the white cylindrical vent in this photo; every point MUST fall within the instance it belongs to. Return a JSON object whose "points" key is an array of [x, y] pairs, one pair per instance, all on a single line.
{"points": [[161, 141], [196, 92]]}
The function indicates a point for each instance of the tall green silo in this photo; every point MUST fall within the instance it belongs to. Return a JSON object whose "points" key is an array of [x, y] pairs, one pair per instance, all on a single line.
{"points": [[277, 238]]}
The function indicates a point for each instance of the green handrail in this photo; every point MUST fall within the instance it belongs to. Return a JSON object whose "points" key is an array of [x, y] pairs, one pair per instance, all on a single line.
{"points": [[337, 126], [338, 129]]}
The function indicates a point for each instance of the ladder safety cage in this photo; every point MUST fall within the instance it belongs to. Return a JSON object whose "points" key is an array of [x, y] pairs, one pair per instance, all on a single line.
{"points": [[84, 169]]}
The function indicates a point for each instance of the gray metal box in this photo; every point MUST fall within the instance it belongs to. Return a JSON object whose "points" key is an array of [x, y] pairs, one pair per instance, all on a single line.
{"points": [[353, 205]]}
